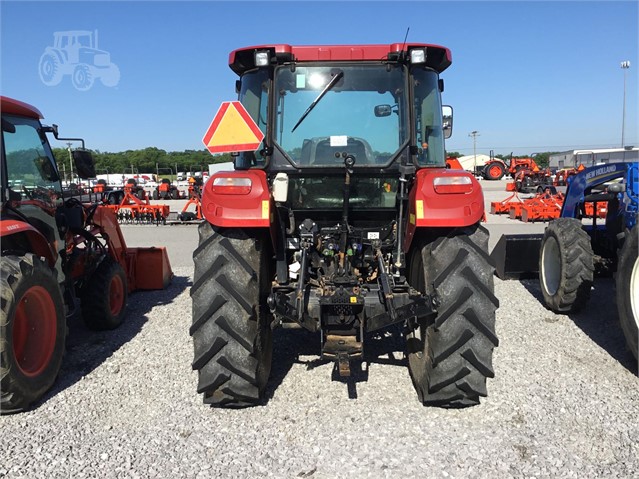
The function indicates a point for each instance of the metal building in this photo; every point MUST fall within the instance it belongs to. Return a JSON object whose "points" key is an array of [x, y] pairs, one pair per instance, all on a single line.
{"points": [[573, 158]]}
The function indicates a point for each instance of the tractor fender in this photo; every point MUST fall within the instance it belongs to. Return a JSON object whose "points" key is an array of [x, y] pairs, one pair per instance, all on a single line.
{"points": [[238, 199], [443, 198], [61, 54], [38, 243], [62, 57]]}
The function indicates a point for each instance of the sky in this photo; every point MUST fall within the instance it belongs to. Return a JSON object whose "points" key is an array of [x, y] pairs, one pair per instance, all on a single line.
{"points": [[527, 76]]}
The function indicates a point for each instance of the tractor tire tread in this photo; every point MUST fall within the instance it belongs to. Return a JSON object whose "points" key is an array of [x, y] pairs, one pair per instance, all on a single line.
{"points": [[94, 297], [458, 358], [577, 266], [228, 320], [627, 261], [16, 393]]}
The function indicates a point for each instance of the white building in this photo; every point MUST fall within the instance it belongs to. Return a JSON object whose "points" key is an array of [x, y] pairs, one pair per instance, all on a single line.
{"points": [[470, 161], [574, 158]]}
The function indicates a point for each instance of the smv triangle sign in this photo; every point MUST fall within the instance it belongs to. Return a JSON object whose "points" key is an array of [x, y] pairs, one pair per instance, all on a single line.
{"points": [[232, 129]]}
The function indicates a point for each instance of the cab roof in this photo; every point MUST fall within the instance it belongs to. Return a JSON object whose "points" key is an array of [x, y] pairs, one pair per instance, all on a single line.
{"points": [[439, 58], [16, 107]]}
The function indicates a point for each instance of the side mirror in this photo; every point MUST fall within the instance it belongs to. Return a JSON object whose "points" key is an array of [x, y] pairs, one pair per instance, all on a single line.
{"points": [[51, 129], [383, 110], [84, 165], [447, 121]]}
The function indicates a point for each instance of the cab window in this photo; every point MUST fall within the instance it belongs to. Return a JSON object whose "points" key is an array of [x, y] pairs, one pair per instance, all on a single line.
{"points": [[30, 169]]}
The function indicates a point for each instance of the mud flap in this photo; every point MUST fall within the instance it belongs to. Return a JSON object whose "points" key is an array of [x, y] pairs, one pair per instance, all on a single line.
{"points": [[517, 256]]}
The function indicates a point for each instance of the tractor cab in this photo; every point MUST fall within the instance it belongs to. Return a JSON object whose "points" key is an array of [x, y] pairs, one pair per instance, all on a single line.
{"points": [[31, 185]]}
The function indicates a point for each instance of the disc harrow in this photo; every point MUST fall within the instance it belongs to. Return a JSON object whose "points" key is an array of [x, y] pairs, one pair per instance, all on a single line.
{"points": [[133, 210], [542, 207]]}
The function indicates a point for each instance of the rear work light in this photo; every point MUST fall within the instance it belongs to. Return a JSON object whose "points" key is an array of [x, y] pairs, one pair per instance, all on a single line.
{"points": [[452, 185], [418, 55], [261, 59], [231, 185]]}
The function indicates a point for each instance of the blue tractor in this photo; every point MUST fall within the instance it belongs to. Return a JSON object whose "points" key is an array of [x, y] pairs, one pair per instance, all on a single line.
{"points": [[575, 245]]}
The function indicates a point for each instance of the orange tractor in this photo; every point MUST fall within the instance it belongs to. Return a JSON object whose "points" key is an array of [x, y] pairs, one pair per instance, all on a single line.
{"points": [[195, 201], [525, 172], [59, 256], [166, 191]]}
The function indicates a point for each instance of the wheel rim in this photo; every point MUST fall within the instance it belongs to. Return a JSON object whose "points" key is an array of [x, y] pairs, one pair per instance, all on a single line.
{"points": [[80, 78], [34, 331], [551, 265], [634, 292], [494, 171], [116, 295]]}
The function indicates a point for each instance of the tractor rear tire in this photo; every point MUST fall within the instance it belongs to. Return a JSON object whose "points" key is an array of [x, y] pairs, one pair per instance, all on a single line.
{"points": [[627, 283], [49, 68], [231, 329], [104, 295], [566, 266], [450, 358], [32, 331], [494, 171]]}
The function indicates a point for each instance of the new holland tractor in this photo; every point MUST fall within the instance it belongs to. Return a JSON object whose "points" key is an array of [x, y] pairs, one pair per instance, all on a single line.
{"points": [[345, 221], [59, 256], [574, 246]]}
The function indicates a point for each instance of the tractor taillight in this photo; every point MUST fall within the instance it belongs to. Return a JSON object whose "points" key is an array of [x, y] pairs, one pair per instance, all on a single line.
{"points": [[452, 185], [231, 185]]}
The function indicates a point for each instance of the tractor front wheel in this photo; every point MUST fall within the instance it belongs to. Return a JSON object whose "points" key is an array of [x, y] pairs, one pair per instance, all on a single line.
{"points": [[450, 358], [111, 76], [103, 296], [32, 331], [231, 331], [82, 77], [566, 267], [627, 282]]}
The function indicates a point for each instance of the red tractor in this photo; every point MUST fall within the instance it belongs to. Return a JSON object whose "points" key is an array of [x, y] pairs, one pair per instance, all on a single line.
{"points": [[166, 191], [59, 256], [344, 222]]}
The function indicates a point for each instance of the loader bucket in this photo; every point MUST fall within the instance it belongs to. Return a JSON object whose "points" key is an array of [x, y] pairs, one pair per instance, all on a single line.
{"points": [[517, 256], [150, 268]]}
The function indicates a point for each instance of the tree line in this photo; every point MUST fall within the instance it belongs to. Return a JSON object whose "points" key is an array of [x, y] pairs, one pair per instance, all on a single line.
{"points": [[168, 163], [147, 160]]}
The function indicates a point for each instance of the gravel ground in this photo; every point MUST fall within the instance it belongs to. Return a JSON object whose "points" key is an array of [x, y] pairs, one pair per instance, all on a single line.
{"points": [[564, 402]]}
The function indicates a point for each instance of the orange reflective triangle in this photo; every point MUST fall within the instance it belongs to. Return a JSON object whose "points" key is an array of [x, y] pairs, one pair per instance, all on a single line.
{"points": [[232, 129]]}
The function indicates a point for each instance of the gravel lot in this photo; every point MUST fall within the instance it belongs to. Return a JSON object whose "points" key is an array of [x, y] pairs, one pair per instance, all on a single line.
{"points": [[564, 402]]}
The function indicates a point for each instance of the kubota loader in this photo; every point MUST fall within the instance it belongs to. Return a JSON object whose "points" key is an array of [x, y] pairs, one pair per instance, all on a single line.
{"points": [[58, 256]]}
